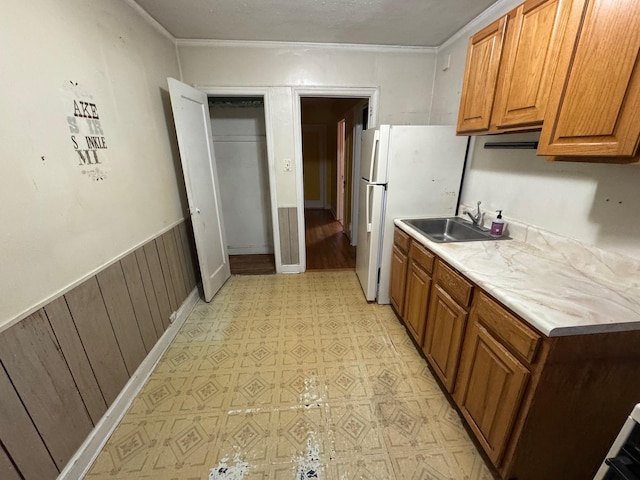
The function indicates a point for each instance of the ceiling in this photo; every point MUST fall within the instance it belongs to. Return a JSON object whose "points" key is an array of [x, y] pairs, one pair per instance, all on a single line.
{"points": [[426, 23]]}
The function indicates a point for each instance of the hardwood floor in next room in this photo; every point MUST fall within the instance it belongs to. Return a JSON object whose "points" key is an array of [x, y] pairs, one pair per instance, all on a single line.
{"points": [[328, 247]]}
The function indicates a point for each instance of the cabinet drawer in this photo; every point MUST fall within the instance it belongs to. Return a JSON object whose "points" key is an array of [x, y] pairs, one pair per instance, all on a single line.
{"points": [[453, 283], [401, 239], [422, 257], [520, 339]]}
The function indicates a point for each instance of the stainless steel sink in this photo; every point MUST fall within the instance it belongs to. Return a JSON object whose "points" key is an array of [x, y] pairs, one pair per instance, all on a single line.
{"points": [[451, 229]]}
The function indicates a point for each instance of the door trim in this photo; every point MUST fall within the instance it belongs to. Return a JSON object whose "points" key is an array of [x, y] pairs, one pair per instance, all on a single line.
{"points": [[367, 93], [263, 92]]}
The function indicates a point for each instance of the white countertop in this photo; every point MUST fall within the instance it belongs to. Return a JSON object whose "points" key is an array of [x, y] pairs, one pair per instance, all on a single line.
{"points": [[559, 286]]}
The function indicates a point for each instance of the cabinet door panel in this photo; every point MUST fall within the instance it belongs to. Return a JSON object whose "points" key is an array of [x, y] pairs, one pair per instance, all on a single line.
{"points": [[398, 279], [595, 94], [443, 339], [489, 391], [417, 297], [530, 56], [480, 78]]}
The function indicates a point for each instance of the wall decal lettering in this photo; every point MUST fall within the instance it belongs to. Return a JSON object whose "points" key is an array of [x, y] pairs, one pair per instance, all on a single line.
{"points": [[86, 135]]}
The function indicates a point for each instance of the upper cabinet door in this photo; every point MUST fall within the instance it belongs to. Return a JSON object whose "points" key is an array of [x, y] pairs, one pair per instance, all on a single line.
{"points": [[480, 78], [595, 96], [532, 46]]}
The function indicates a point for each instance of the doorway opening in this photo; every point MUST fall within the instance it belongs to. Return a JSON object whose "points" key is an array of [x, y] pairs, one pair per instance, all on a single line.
{"points": [[240, 146], [331, 128]]}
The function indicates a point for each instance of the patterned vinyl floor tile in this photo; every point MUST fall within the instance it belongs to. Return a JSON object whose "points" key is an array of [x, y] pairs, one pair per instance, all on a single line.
{"points": [[291, 377]]}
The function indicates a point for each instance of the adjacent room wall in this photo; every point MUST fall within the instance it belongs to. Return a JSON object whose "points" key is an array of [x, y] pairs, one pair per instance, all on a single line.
{"points": [[592, 203], [61, 219]]}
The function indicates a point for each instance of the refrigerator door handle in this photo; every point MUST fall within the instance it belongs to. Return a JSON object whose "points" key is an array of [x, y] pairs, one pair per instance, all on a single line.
{"points": [[368, 207], [374, 152]]}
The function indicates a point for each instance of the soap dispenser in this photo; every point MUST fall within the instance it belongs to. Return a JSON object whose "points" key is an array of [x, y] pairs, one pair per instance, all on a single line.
{"points": [[497, 226]]}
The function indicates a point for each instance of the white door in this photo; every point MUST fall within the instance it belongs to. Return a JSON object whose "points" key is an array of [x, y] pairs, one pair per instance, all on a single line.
{"points": [[193, 127]]}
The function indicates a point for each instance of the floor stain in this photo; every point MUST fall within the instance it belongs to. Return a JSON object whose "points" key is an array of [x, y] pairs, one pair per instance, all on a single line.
{"points": [[237, 470]]}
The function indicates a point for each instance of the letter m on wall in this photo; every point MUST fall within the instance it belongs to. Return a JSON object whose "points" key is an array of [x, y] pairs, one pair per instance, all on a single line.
{"points": [[85, 157]]}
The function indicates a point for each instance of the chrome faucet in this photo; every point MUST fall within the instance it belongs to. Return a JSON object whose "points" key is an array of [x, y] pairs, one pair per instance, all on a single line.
{"points": [[474, 218]]}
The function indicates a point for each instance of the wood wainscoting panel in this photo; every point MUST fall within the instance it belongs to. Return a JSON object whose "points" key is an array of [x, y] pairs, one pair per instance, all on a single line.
{"points": [[133, 277], [191, 260], [171, 248], [76, 357], [7, 470], [123, 319], [166, 273], [157, 278], [149, 291], [182, 260], [64, 365], [20, 437], [33, 361], [288, 227], [95, 330], [293, 236]]}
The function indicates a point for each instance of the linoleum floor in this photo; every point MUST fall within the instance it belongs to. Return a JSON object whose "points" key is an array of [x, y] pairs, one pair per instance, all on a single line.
{"points": [[291, 377]]}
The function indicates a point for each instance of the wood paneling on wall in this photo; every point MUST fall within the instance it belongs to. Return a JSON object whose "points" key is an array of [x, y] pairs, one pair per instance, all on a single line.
{"points": [[64, 365], [7, 470], [288, 225]]}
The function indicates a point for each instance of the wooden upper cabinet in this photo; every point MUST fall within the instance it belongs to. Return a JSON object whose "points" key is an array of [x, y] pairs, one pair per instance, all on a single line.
{"points": [[531, 50], [480, 78], [594, 103]]}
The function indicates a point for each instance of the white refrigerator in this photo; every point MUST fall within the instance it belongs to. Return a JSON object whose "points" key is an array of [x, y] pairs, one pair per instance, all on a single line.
{"points": [[405, 171]]}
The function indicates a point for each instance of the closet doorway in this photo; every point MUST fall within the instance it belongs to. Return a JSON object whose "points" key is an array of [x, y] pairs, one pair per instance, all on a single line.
{"points": [[240, 146]]}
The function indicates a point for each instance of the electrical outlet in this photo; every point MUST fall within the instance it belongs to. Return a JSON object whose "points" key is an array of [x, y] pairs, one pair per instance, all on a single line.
{"points": [[287, 165]]}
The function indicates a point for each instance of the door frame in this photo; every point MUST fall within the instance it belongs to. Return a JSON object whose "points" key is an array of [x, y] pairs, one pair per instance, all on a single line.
{"points": [[366, 93], [263, 92]]}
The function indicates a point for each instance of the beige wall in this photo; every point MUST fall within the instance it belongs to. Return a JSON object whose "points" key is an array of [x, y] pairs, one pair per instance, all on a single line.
{"points": [[58, 224], [593, 203], [403, 76]]}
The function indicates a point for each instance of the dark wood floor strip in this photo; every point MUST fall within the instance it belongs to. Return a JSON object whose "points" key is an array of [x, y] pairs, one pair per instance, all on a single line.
{"points": [[262, 264], [328, 248]]}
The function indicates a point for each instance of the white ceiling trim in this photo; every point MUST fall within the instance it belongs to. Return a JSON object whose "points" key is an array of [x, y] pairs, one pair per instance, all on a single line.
{"points": [[185, 42], [495, 11], [152, 21]]}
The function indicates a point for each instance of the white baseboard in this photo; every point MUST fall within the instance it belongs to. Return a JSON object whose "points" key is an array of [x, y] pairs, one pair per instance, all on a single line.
{"points": [[297, 268], [84, 457]]}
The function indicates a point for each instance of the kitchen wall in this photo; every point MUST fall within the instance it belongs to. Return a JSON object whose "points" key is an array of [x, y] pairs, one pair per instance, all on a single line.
{"points": [[404, 77], [593, 203], [63, 220]]}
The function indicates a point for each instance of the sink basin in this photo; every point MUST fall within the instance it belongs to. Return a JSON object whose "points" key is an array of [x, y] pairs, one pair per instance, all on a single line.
{"points": [[451, 229]]}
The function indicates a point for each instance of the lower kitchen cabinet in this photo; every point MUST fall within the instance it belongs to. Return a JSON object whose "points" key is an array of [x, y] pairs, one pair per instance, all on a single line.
{"points": [[446, 322], [418, 287], [490, 389], [399, 262], [540, 407]]}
